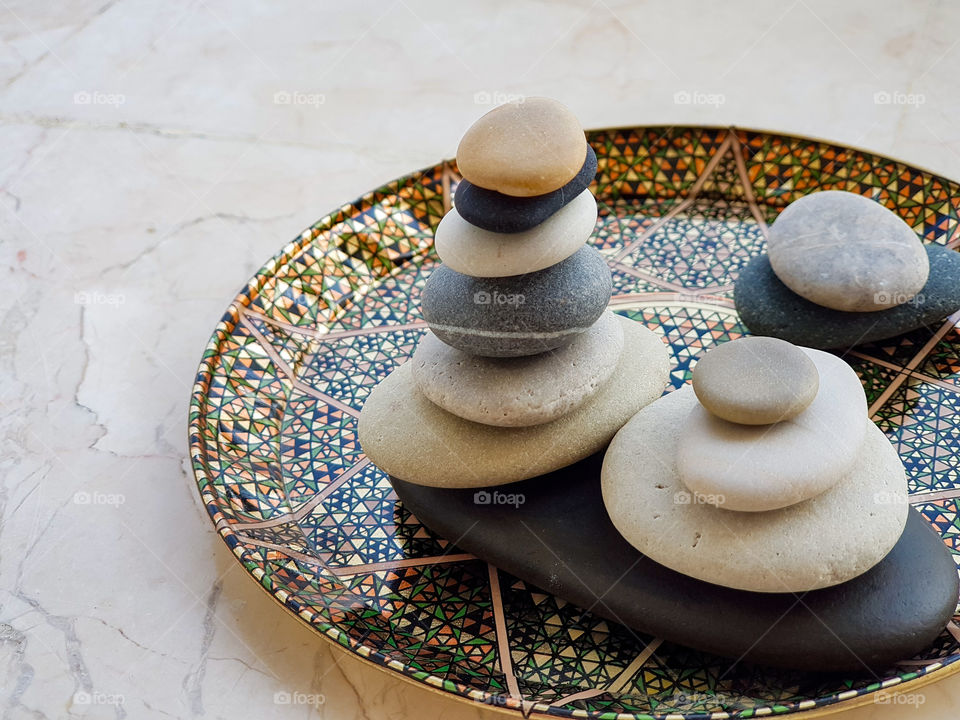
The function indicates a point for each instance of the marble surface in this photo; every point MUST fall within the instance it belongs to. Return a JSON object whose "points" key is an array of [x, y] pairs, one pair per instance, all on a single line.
{"points": [[154, 154]]}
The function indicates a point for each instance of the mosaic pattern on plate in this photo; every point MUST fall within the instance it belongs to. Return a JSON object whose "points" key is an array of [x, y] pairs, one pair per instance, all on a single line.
{"points": [[272, 423]]}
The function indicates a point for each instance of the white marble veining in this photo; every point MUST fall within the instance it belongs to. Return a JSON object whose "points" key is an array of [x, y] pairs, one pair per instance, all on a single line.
{"points": [[154, 153]]}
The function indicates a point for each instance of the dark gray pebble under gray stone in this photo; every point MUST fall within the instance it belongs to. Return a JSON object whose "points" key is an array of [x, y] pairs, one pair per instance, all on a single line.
{"points": [[521, 314], [768, 307]]}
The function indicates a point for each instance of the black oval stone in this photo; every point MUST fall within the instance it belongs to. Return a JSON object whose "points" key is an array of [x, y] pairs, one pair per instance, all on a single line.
{"points": [[520, 314], [768, 307], [501, 213], [561, 540]]}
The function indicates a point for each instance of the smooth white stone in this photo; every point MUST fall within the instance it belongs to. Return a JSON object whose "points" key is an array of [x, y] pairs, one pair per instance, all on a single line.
{"points": [[521, 391], [474, 251], [763, 467]]}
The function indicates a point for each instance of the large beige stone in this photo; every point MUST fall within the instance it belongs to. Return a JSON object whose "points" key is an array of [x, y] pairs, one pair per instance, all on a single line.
{"points": [[821, 542], [755, 380], [474, 251], [524, 148], [762, 467], [844, 251], [406, 435], [522, 391]]}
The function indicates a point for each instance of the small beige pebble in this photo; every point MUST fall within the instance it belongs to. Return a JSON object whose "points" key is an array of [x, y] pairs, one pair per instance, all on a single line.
{"points": [[846, 252], [474, 251], [755, 380], [524, 148], [522, 391], [763, 467]]}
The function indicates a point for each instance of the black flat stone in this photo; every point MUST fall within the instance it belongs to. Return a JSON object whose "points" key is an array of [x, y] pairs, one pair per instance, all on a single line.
{"points": [[561, 540], [768, 307], [501, 213]]}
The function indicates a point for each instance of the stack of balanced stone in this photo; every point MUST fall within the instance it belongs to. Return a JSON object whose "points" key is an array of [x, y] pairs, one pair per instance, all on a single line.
{"points": [[523, 369], [841, 270], [757, 514], [765, 475]]}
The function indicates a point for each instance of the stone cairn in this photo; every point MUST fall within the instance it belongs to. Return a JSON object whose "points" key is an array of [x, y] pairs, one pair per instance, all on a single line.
{"points": [[523, 369], [841, 270], [519, 286]]}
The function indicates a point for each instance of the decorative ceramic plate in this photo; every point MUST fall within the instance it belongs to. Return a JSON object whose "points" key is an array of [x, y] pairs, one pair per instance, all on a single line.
{"points": [[274, 412]]}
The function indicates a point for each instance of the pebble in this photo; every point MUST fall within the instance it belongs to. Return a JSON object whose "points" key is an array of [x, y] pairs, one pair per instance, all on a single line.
{"points": [[830, 539], [520, 314], [523, 148], [891, 612], [755, 380], [764, 467], [768, 307], [473, 251], [501, 213], [846, 252], [523, 391], [409, 437]]}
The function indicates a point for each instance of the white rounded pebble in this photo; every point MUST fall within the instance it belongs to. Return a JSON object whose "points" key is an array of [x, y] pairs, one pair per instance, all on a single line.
{"points": [[521, 391], [474, 251], [764, 467]]}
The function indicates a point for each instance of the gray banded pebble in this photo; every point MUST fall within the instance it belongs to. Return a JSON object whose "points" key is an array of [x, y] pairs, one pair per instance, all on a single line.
{"points": [[520, 314]]}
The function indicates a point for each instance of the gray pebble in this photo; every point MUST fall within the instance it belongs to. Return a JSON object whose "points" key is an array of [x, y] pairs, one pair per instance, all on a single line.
{"points": [[521, 314], [846, 252]]}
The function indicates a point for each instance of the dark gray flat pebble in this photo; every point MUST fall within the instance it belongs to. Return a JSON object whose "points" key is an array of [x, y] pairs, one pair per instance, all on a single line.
{"points": [[768, 307], [501, 213], [520, 314], [560, 539]]}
